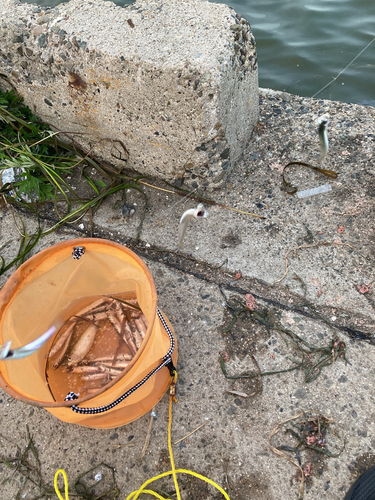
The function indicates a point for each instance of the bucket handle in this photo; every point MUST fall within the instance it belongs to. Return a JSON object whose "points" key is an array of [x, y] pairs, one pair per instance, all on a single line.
{"points": [[166, 361]]}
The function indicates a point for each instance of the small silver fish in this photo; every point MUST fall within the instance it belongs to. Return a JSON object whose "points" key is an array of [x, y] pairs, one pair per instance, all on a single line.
{"points": [[22, 352], [91, 308], [62, 339], [114, 320], [323, 138], [95, 376], [192, 213], [86, 369], [136, 331], [129, 339]]}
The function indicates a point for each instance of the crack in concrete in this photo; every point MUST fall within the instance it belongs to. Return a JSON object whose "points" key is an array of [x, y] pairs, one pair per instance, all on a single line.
{"points": [[218, 276]]}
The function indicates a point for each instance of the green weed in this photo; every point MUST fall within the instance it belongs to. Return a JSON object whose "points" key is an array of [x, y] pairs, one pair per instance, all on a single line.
{"points": [[41, 165]]}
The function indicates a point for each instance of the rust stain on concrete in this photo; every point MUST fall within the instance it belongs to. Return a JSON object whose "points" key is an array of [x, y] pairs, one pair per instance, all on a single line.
{"points": [[77, 82]]}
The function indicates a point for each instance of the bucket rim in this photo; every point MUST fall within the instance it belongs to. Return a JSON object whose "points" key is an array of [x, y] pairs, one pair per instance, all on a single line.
{"points": [[15, 281]]}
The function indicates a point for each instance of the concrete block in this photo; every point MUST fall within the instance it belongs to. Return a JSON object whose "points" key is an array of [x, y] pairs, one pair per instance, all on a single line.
{"points": [[166, 88]]}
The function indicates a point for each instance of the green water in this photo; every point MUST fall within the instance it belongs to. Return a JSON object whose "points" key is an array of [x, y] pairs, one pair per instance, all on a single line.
{"points": [[303, 45]]}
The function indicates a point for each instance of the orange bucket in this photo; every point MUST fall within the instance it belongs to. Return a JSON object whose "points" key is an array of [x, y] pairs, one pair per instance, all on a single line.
{"points": [[52, 286]]}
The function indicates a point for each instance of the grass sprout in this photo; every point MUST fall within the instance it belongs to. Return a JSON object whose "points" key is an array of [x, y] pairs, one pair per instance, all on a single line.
{"points": [[42, 166]]}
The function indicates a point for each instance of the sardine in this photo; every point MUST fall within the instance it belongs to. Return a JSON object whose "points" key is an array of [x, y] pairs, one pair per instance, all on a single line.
{"points": [[111, 359], [128, 334], [62, 352], [121, 364], [61, 340], [120, 313], [145, 321], [128, 338], [131, 302], [136, 314], [111, 315], [103, 365], [83, 345], [190, 214], [96, 316], [137, 337], [111, 370], [323, 137], [91, 307], [95, 376], [124, 357], [141, 329], [87, 369]]}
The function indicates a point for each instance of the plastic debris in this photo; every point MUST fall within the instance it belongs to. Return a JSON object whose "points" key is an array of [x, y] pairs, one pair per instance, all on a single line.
{"points": [[311, 192]]}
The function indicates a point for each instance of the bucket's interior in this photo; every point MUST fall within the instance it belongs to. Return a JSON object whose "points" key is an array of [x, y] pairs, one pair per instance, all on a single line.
{"points": [[56, 288]]}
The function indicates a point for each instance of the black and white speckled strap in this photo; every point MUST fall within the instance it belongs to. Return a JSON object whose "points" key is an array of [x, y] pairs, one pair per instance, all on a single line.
{"points": [[166, 361]]}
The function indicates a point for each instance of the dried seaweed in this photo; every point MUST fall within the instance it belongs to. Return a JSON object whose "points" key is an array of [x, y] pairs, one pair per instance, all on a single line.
{"points": [[313, 358], [26, 463], [312, 430], [97, 483], [290, 189], [314, 245], [94, 484]]}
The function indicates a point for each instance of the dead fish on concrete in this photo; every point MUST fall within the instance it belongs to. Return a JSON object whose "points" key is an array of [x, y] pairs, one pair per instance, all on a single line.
{"points": [[192, 213], [323, 138]]}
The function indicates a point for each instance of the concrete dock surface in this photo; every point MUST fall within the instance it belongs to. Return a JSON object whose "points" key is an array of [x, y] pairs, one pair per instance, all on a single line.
{"points": [[302, 268]]}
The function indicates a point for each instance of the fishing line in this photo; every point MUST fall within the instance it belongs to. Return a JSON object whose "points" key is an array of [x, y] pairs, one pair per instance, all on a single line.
{"points": [[346, 67], [168, 210], [180, 202]]}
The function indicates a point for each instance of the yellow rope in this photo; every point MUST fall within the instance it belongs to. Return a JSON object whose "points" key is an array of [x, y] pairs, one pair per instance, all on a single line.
{"points": [[173, 472], [172, 397], [177, 471], [65, 484]]}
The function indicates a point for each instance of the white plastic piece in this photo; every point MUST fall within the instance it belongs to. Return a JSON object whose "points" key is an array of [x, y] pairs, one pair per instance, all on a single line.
{"points": [[311, 192]]}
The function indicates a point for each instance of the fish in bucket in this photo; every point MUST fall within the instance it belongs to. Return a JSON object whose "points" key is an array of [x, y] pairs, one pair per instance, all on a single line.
{"points": [[111, 354]]}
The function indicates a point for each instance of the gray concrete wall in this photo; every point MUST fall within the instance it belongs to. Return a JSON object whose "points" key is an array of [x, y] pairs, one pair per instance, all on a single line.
{"points": [[167, 88]]}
